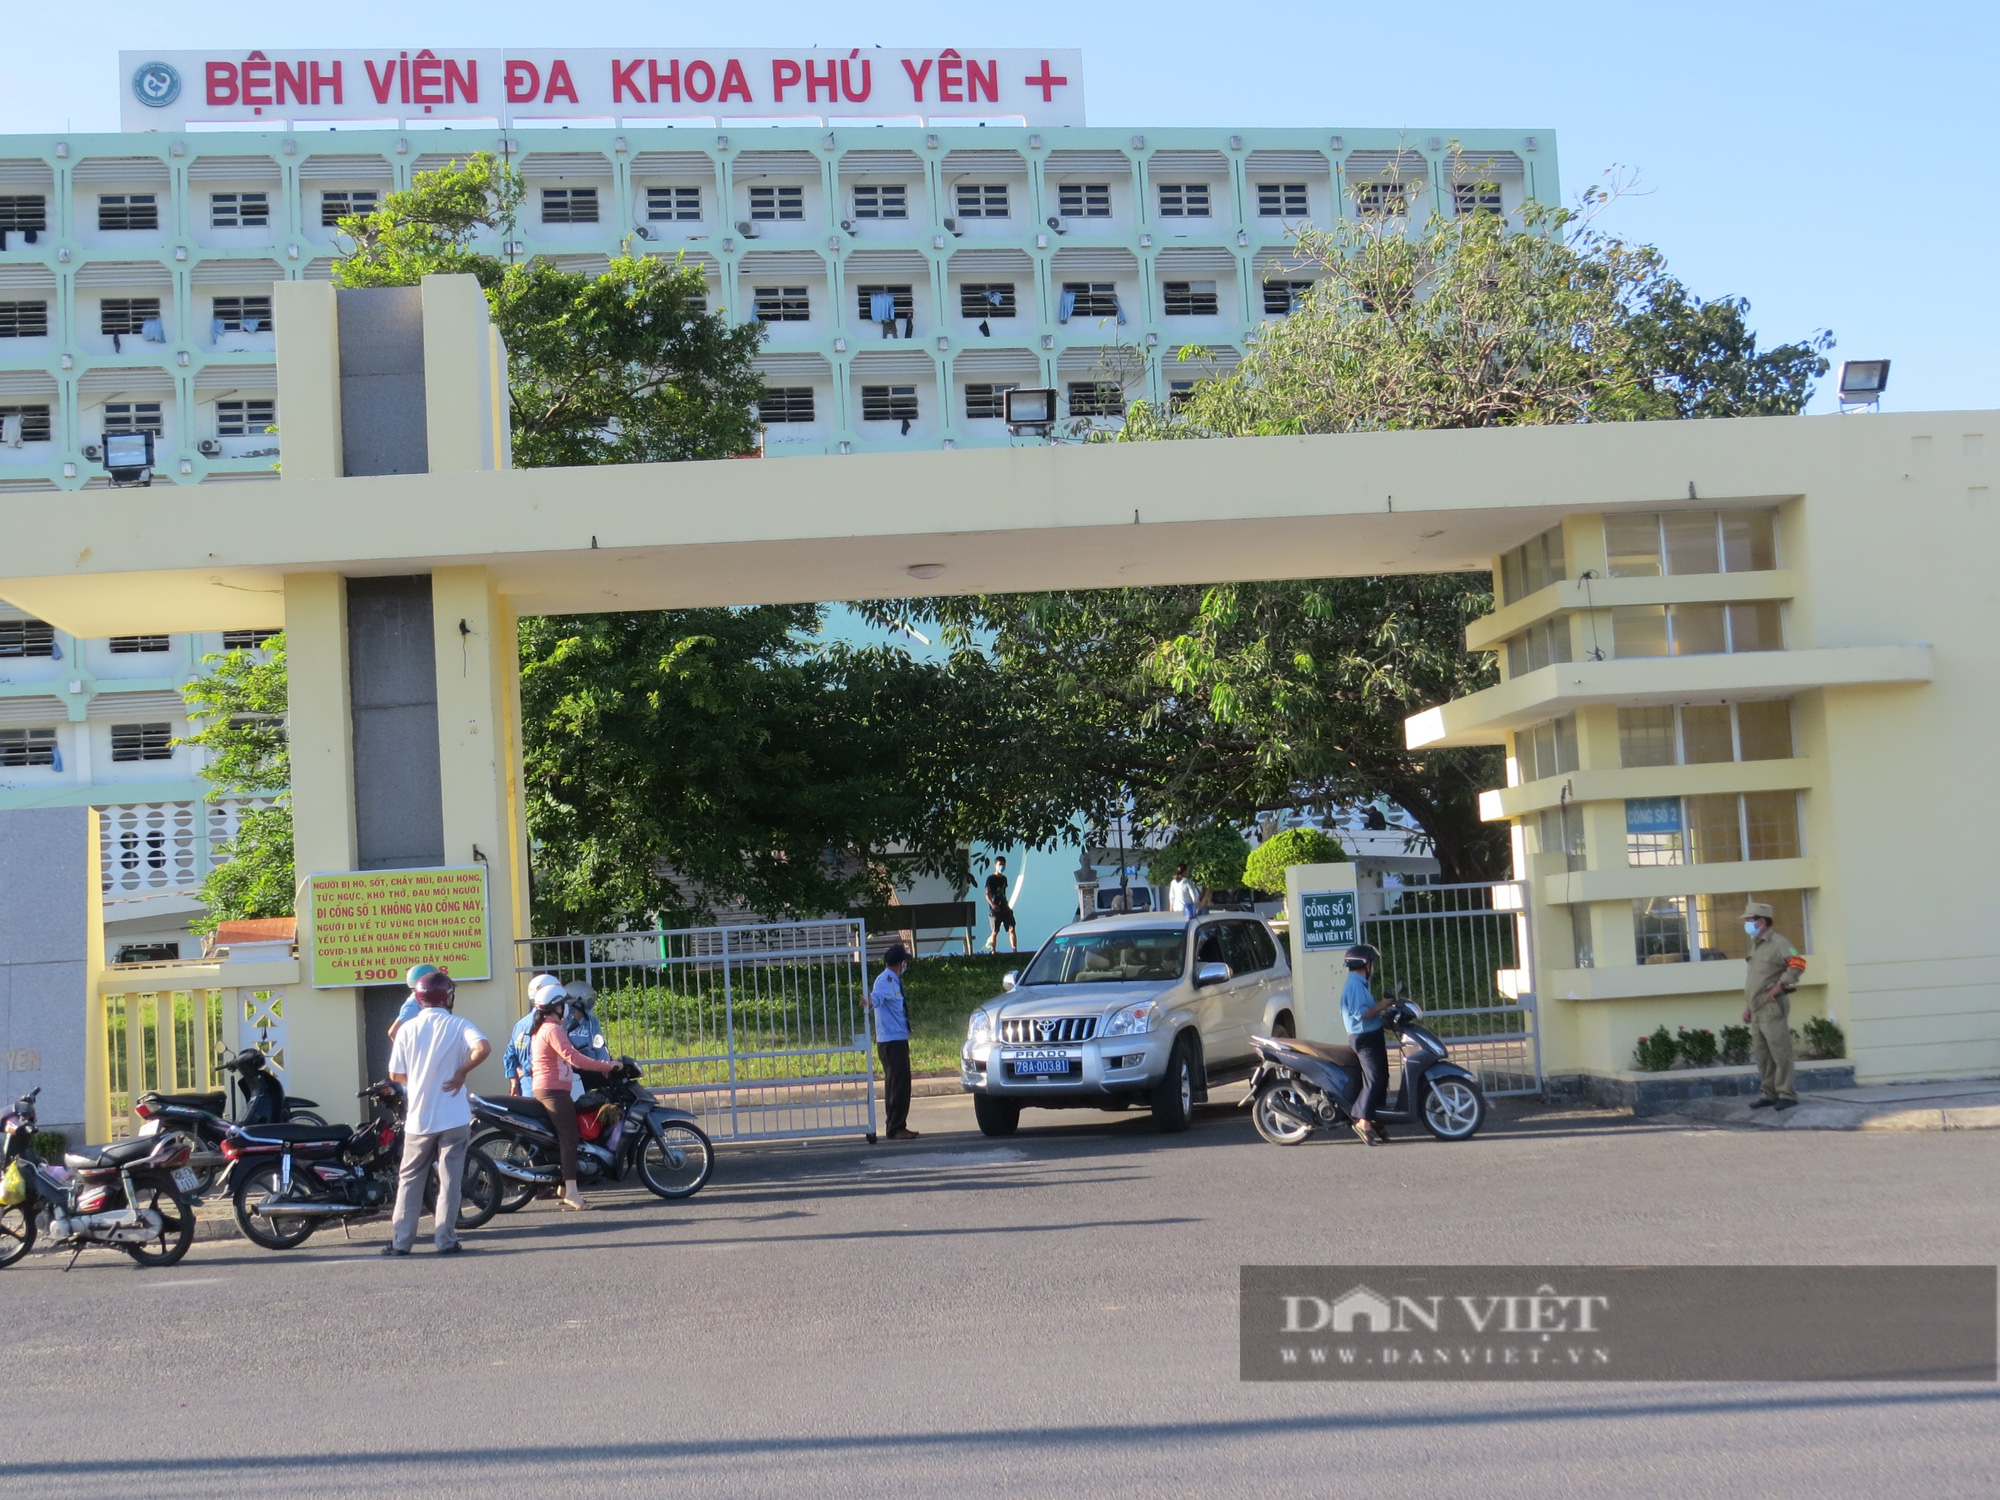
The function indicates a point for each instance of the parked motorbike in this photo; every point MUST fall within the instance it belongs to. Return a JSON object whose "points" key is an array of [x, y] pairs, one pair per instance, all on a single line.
{"points": [[290, 1180], [261, 1100], [621, 1126], [134, 1195], [1300, 1086]]}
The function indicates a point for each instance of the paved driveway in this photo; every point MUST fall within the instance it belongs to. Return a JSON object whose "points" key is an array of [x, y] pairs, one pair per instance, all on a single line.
{"points": [[1050, 1315]]}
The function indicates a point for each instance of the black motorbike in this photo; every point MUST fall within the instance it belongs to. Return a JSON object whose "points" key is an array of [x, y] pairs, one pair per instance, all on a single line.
{"points": [[292, 1179], [259, 1097], [1300, 1086], [621, 1127], [135, 1196]]}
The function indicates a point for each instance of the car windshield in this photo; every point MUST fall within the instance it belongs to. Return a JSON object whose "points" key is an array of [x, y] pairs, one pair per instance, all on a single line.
{"points": [[1109, 957]]}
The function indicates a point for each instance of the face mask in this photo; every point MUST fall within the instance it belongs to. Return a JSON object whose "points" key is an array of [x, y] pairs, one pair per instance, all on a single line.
{"points": [[1751, 928]]}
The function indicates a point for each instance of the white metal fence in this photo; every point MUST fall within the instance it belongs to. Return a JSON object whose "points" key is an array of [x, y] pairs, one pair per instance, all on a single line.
{"points": [[1464, 953], [759, 1030]]}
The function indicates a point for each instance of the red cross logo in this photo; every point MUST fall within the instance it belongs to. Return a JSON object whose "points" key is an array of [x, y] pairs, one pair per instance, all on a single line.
{"points": [[1047, 83]]}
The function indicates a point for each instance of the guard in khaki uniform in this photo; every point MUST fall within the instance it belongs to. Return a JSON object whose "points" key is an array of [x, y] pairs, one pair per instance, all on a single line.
{"points": [[1774, 972]]}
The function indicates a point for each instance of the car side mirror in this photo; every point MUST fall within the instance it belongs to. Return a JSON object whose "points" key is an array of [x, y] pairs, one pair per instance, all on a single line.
{"points": [[1010, 979], [1209, 974]]}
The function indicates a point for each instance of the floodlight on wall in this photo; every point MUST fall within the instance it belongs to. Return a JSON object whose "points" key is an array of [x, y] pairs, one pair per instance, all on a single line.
{"points": [[1029, 412], [128, 458], [1862, 382]]}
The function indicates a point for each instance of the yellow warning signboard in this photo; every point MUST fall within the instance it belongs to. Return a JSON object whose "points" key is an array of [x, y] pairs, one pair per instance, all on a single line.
{"points": [[370, 926]]}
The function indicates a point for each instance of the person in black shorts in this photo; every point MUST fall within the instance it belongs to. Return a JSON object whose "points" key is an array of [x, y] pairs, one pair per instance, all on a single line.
{"points": [[998, 911]]}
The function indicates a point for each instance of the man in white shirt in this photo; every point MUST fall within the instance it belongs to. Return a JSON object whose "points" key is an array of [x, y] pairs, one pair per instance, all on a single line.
{"points": [[1183, 896], [431, 1057]]}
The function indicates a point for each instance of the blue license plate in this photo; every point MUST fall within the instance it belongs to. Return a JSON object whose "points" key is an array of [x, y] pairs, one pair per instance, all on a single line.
{"points": [[1040, 1062]]}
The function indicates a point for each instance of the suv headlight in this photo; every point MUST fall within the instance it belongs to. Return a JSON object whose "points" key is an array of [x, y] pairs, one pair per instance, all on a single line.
{"points": [[1133, 1020], [980, 1029]]}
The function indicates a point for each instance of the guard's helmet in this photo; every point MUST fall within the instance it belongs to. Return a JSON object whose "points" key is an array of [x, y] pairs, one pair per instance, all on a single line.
{"points": [[1363, 956], [580, 991], [418, 971], [436, 988]]}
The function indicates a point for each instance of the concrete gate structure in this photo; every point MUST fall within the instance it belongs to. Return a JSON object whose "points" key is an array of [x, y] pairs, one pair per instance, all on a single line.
{"points": [[401, 548]]}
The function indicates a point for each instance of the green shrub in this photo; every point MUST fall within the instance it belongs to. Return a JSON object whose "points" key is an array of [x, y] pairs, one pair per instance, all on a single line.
{"points": [[1655, 1053], [50, 1144], [1823, 1039], [1697, 1046], [1265, 869], [1735, 1045], [1214, 856]]}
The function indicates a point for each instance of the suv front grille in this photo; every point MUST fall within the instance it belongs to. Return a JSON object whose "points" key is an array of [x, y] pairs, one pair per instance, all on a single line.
{"points": [[1038, 1030]]}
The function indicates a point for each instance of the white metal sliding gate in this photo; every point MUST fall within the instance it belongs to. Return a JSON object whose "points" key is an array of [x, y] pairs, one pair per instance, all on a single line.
{"points": [[1464, 953], [760, 1031]]}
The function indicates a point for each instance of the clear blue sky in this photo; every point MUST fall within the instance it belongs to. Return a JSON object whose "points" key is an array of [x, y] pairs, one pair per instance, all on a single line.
{"points": [[1831, 162]]}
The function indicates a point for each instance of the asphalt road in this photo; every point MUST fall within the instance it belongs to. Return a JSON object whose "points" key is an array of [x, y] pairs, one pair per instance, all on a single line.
{"points": [[1055, 1315]]}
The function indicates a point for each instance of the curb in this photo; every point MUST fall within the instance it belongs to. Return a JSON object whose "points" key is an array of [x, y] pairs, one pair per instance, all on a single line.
{"points": [[1814, 1114]]}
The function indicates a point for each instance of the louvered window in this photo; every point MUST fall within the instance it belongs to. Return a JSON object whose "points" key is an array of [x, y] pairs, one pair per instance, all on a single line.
{"points": [[982, 200], [126, 314], [244, 314], [1084, 200], [889, 202], [27, 747], [984, 402], [569, 205], [133, 416], [35, 427], [888, 403], [986, 299], [138, 645], [783, 304], [128, 211], [20, 638], [23, 211], [1183, 200], [131, 742], [1382, 200], [333, 207], [1475, 198], [239, 210], [1281, 200], [777, 203], [1282, 297], [1095, 398], [245, 418], [1189, 299], [792, 403], [1179, 392], [673, 204], [245, 640], [900, 300], [24, 320], [1094, 299]]}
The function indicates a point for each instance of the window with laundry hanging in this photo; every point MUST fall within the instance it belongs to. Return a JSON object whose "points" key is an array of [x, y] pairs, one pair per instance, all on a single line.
{"points": [[25, 424], [23, 748], [243, 314], [870, 306], [127, 315], [986, 299], [27, 638]]}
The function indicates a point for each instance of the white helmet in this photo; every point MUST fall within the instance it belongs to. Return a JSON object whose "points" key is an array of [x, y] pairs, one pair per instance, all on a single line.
{"points": [[580, 991], [545, 990]]}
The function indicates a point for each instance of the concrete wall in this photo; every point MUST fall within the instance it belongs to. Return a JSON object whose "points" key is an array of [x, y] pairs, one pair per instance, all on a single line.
{"points": [[48, 900]]}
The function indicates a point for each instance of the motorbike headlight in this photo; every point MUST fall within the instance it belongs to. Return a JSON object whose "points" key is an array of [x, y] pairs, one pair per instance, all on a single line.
{"points": [[1133, 1020], [980, 1029]]}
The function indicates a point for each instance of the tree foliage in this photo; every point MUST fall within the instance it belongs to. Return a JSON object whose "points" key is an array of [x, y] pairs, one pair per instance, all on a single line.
{"points": [[1265, 870], [1213, 853], [238, 714]]}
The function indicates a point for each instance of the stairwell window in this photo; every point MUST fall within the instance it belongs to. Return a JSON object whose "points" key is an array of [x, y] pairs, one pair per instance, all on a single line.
{"points": [[1183, 200], [888, 403], [137, 742], [246, 640], [24, 638], [245, 418], [127, 315], [24, 748], [1281, 200], [243, 314], [138, 645], [987, 402], [673, 205], [785, 404], [986, 299], [1084, 200], [1546, 750], [1540, 646], [34, 427], [1703, 734], [783, 304], [128, 211], [1283, 297], [1095, 398], [335, 206], [1532, 566], [239, 210], [1189, 299], [977, 200], [777, 203], [133, 416], [20, 211], [886, 201], [569, 205], [1695, 629], [1678, 543]]}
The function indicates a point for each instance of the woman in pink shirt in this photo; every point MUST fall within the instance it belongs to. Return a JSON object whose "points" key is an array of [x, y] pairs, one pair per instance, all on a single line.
{"points": [[555, 1060]]}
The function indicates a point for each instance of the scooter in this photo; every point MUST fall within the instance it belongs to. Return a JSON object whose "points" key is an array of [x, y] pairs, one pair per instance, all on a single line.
{"points": [[620, 1125], [134, 1195], [1300, 1086], [261, 1100]]}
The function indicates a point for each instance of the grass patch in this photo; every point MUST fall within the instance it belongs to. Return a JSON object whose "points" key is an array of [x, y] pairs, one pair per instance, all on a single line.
{"points": [[942, 993]]}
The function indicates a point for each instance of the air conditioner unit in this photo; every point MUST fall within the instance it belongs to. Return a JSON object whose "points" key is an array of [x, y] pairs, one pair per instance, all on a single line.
{"points": [[1056, 224], [209, 447], [642, 231], [745, 228], [952, 225], [92, 452]]}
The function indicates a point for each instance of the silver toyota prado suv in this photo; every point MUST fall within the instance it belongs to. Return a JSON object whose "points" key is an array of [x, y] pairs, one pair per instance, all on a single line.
{"points": [[1127, 1010]]}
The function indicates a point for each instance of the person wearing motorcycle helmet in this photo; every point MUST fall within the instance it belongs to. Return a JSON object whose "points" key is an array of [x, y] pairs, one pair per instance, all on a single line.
{"points": [[516, 1062], [1362, 1013], [411, 1005], [556, 1060]]}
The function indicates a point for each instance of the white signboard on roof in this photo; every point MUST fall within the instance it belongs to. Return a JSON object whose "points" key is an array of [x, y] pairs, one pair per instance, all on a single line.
{"points": [[387, 86]]}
